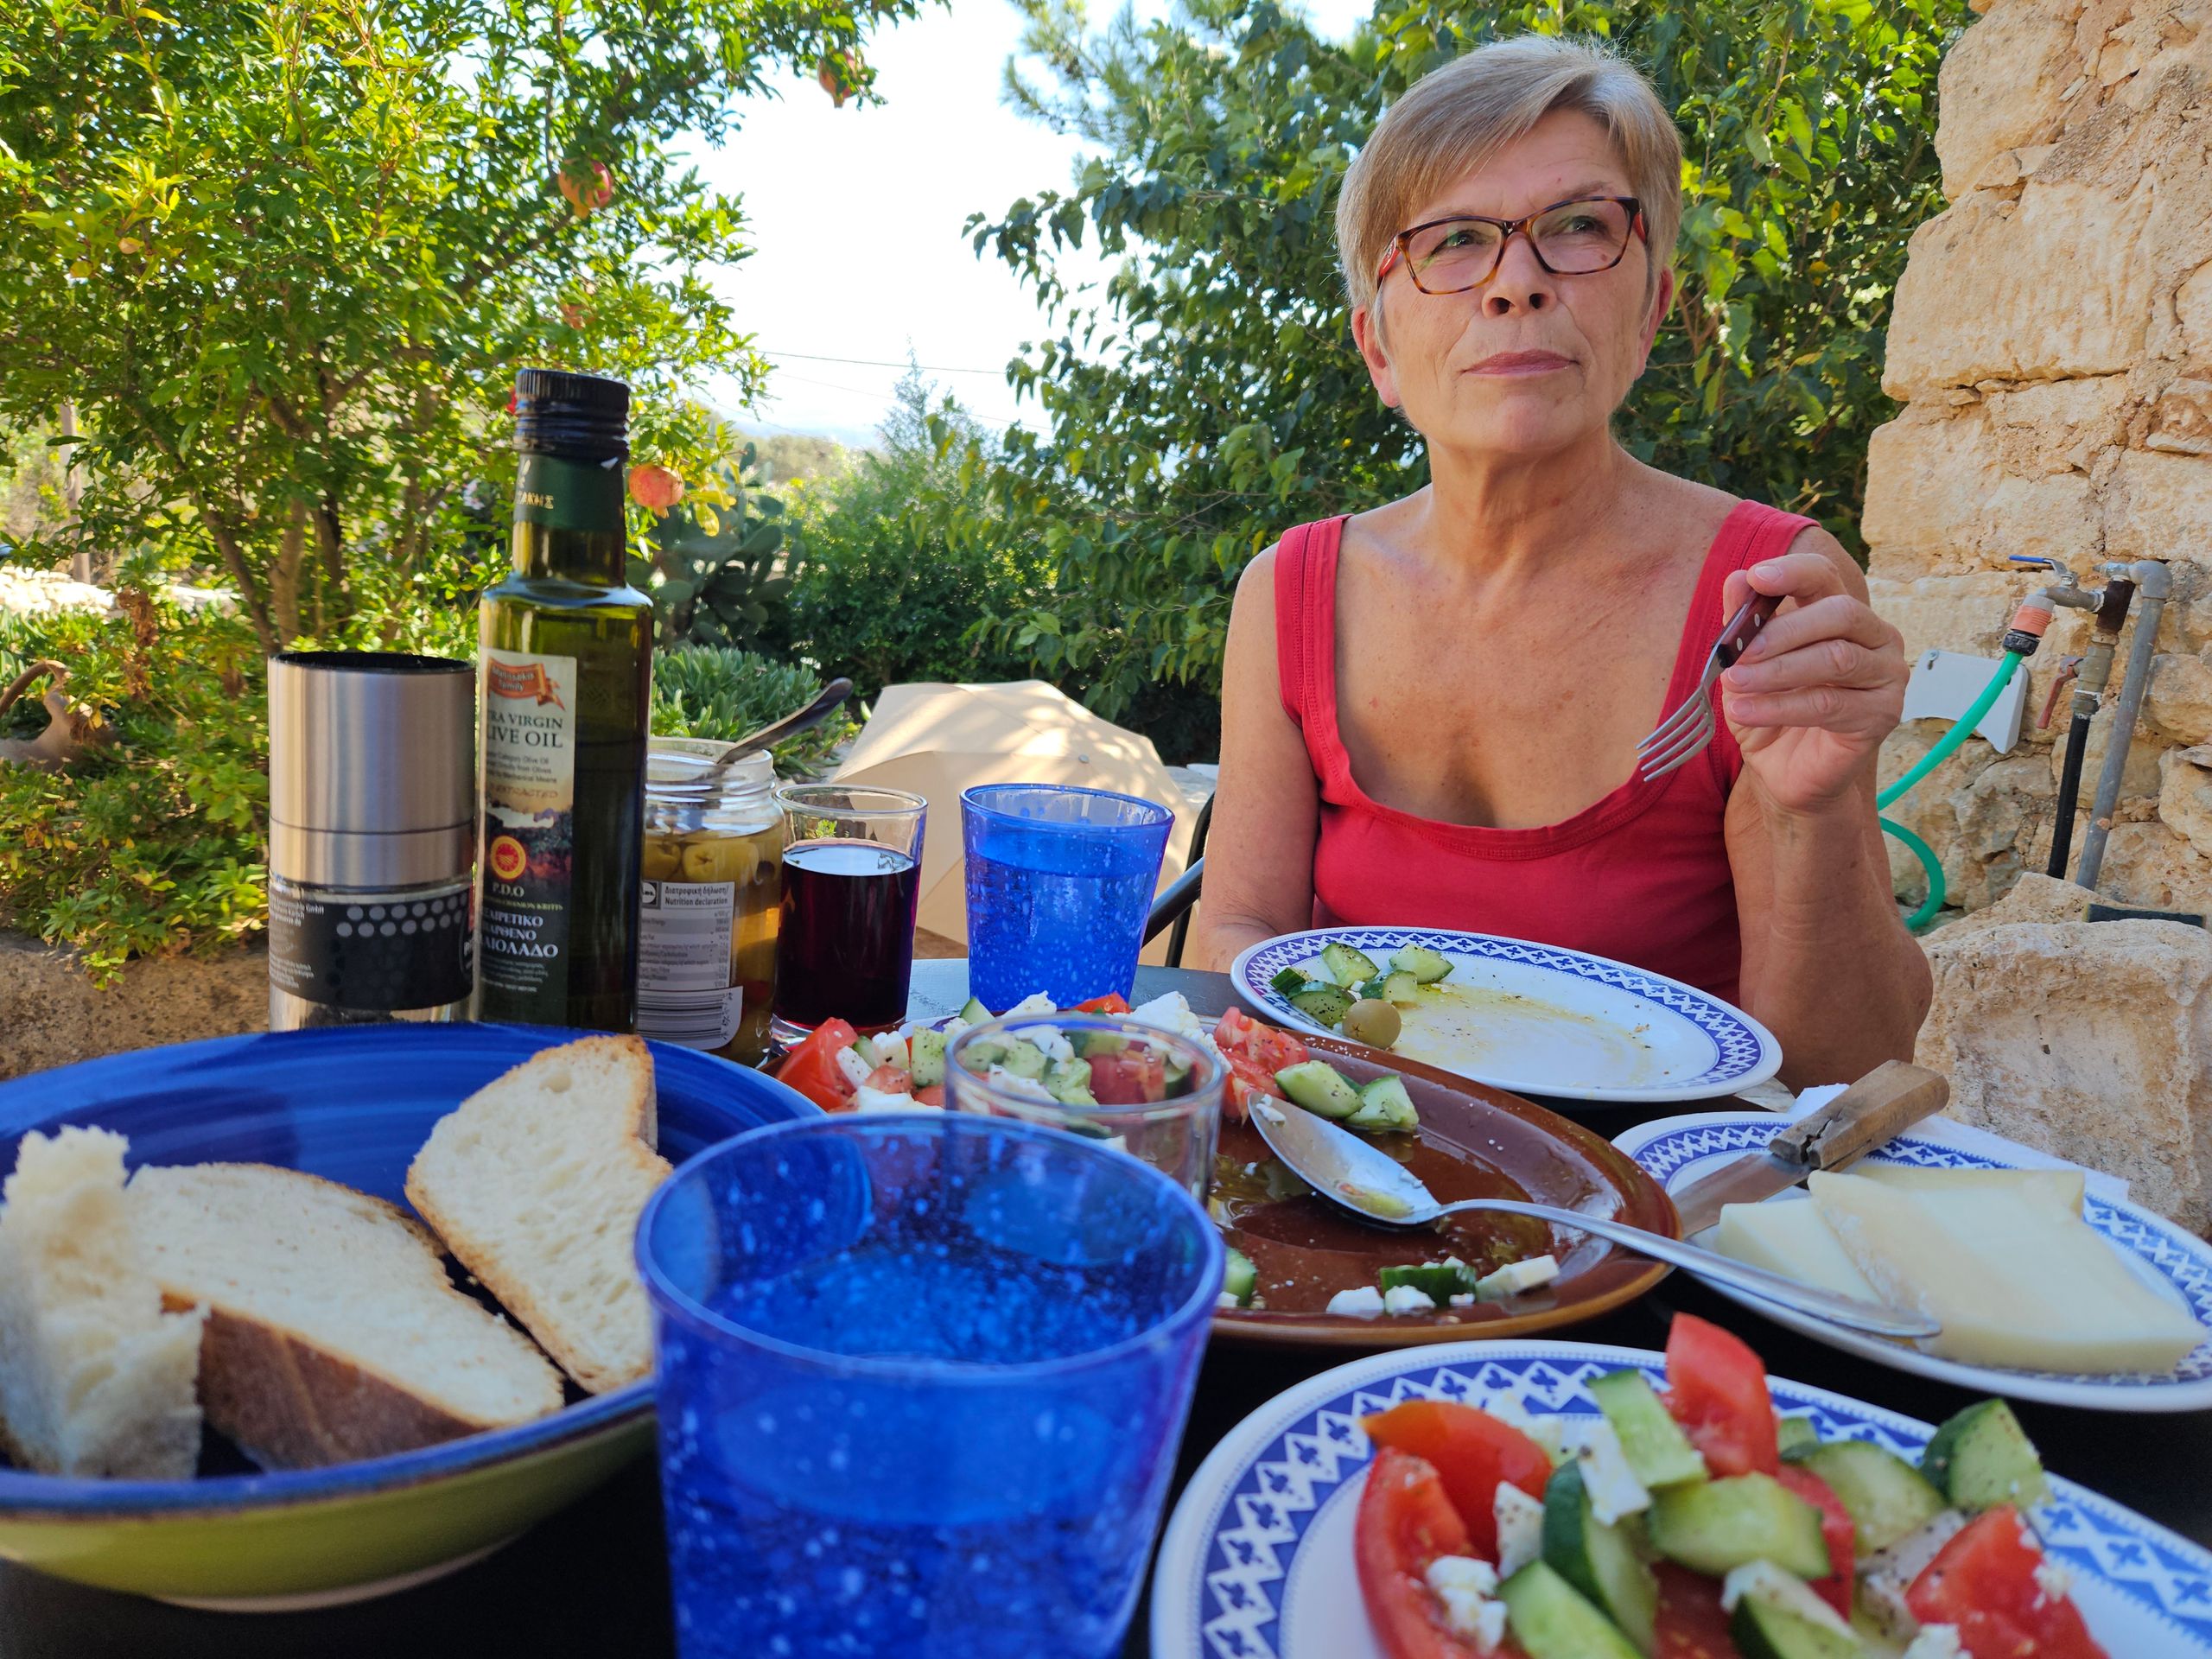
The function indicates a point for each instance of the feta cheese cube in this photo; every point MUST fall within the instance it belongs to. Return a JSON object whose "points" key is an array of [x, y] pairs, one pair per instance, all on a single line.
{"points": [[1613, 1488], [2053, 1579], [1051, 1040], [1937, 1641], [854, 1065], [1019, 1087], [1035, 1002], [1407, 1299], [866, 1099], [1515, 1277], [1549, 1433], [1170, 1013], [1520, 1527], [1467, 1588], [1363, 1302], [1227, 1299]]}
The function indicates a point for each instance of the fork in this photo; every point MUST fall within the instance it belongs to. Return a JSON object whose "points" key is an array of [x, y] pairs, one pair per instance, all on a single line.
{"points": [[1683, 735]]}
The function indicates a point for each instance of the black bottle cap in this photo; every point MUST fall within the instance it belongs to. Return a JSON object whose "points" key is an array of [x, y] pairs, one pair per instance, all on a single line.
{"points": [[585, 417]]}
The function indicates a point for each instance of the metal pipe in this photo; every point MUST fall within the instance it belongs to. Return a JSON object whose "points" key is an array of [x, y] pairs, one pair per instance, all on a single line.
{"points": [[2091, 675], [2152, 579]]}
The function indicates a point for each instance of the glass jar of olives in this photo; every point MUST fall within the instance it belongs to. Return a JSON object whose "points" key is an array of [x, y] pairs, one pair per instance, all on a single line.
{"points": [[712, 883]]}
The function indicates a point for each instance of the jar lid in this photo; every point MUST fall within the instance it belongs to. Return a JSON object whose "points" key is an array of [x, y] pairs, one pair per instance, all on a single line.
{"points": [[677, 772], [371, 742]]}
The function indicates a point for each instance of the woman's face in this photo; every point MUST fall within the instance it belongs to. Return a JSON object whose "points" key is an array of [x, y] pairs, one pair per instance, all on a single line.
{"points": [[1528, 363]]}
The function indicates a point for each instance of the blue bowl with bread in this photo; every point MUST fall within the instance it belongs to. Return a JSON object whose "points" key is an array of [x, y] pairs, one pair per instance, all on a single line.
{"points": [[293, 1319]]}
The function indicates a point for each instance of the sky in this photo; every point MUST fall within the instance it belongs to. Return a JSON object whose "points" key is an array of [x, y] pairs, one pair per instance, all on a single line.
{"points": [[940, 147]]}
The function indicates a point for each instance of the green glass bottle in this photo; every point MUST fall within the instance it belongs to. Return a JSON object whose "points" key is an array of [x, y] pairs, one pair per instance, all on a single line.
{"points": [[564, 701]]}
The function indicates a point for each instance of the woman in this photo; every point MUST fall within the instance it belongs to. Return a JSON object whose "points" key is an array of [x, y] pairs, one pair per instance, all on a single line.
{"points": [[1431, 710]]}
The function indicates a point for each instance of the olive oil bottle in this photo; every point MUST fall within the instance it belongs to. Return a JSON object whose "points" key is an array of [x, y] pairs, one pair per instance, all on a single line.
{"points": [[565, 691]]}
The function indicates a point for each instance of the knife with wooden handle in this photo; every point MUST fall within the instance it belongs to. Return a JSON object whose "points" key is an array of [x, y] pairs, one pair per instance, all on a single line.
{"points": [[1874, 1110]]}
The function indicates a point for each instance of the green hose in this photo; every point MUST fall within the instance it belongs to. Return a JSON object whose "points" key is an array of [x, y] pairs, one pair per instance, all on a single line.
{"points": [[1928, 763]]}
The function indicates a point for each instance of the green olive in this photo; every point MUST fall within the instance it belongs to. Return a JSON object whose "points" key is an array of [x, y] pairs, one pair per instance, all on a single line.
{"points": [[1373, 1021]]}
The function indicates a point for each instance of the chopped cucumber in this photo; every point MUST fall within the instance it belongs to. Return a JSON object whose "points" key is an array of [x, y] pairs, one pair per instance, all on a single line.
{"points": [[1762, 1630], [1371, 987], [1598, 1560], [1551, 1619], [1346, 966], [1238, 1277], [1399, 988], [1384, 1104], [1069, 1083], [1423, 963], [974, 1012], [1437, 1281], [1982, 1458], [1024, 1058], [984, 1053], [1711, 1526], [865, 1047], [1325, 1005], [1088, 1043], [1290, 981], [1319, 1087], [1887, 1497], [926, 1055], [1795, 1436], [1659, 1454]]}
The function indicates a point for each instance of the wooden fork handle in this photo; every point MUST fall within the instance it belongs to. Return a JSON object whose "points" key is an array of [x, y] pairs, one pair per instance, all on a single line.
{"points": [[1744, 626]]}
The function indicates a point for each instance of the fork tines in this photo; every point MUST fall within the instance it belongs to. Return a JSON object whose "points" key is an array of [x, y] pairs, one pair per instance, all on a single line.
{"points": [[1681, 737]]}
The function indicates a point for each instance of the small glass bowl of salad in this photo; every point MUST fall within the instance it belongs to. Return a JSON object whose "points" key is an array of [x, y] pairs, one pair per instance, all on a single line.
{"points": [[1152, 1093]]}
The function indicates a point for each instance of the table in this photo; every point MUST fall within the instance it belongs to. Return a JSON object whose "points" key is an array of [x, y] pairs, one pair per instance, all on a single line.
{"points": [[594, 1580]]}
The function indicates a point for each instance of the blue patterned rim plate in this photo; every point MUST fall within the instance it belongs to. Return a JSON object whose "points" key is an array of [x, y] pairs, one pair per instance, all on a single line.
{"points": [[352, 1105], [1676, 1151], [1546, 1020], [1257, 1559]]}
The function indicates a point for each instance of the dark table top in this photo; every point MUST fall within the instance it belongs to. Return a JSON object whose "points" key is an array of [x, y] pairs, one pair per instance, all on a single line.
{"points": [[595, 1579]]}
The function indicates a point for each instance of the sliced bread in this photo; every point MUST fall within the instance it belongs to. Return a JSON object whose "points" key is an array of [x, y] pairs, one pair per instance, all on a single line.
{"points": [[95, 1379], [333, 1331], [535, 1183]]}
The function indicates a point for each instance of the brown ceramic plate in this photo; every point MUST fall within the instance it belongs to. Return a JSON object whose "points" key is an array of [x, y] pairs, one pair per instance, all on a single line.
{"points": [[1474, 1142]]}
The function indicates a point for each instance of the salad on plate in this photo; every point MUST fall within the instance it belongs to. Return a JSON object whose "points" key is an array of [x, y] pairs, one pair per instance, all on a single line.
{"points": [[1697, 1523]]}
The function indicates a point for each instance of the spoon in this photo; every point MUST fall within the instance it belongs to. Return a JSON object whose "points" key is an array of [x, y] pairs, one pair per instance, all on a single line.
{"points": [[1348, 1171], [776, 731]]}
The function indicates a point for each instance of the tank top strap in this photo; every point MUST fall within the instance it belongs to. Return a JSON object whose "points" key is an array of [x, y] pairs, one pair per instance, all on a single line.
{"points": [[1751, 534], [1306, 639]]}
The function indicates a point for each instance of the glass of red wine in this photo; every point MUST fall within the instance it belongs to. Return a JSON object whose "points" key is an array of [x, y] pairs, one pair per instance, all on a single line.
{"points": [[845, 936]]}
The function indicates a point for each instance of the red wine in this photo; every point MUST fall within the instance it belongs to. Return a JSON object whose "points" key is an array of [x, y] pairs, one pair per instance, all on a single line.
{"points": [[845, 942]]}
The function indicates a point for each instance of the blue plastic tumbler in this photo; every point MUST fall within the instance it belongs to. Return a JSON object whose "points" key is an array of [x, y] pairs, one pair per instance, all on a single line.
{"points": [[1059, 882], [922, 1377]]}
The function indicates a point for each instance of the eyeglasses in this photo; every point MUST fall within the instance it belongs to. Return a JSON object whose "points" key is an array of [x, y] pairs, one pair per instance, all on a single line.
{"points": [[1569, 239]]}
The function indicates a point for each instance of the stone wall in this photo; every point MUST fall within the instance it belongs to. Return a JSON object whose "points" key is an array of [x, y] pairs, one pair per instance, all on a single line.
{"points": [[2052, 340], [51, 1014]]}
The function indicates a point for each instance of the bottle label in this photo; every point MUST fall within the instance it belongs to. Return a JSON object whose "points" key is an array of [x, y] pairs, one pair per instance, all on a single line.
{"points": [[564, 494], [529, 791], [370, 953], [684, 994]]}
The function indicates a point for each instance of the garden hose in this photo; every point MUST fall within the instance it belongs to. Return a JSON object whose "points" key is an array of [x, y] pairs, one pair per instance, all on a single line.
{"points": [[1944, 750]]}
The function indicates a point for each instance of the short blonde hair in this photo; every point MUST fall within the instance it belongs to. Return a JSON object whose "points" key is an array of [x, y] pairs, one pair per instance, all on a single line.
{"points": [[1456, 118]]}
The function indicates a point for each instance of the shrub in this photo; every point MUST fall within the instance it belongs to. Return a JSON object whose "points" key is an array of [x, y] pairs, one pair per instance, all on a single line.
{"points": [[711, 692]]}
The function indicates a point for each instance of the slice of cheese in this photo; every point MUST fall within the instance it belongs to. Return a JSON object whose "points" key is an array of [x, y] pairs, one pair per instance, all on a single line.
{"points": [[2057, 1190], [2011, 1282], [1789, 1236]]}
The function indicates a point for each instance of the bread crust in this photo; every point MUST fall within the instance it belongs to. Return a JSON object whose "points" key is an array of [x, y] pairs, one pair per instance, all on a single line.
{"points": [[511, 1286]]}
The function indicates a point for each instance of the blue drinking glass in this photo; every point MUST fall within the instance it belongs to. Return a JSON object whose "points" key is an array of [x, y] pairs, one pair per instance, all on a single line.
{"points": [[922, 1377], [1059, 882]]}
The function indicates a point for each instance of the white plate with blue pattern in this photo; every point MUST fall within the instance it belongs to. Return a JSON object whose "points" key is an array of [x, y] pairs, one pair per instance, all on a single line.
{"points": [[2173, 1262], [1541, 1019], [1257, 1560]]}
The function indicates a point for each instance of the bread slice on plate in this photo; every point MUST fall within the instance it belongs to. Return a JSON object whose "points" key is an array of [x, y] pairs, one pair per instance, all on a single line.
{"points": [[333, 1331], [536, 1182], [95, 1379]]}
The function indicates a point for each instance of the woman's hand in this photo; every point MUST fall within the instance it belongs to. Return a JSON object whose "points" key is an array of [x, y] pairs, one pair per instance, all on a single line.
{"points": [[1822, 684]]}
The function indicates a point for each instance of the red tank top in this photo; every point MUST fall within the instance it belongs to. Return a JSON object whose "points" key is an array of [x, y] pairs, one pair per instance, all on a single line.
{"points": [[1642, 876]]}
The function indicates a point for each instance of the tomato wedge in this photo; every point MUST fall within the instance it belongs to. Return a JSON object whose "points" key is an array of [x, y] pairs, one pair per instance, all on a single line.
{"points": [[1135, 1077], [1254, 1052], [1406, 1522], [890, 1080], [1471, 1452], [1112, 1002], [932, 1096], [1835, 1530], [812, 1069], [1716, 1389], [1984, 1582], [1691, 1623]]}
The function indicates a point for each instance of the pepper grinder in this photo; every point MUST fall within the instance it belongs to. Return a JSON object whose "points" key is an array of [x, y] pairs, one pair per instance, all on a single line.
{"points": [[371, 838]]}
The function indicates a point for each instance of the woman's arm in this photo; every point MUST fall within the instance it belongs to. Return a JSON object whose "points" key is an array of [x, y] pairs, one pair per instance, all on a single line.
{"points": [[1827, 965], [1259, 878]]}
